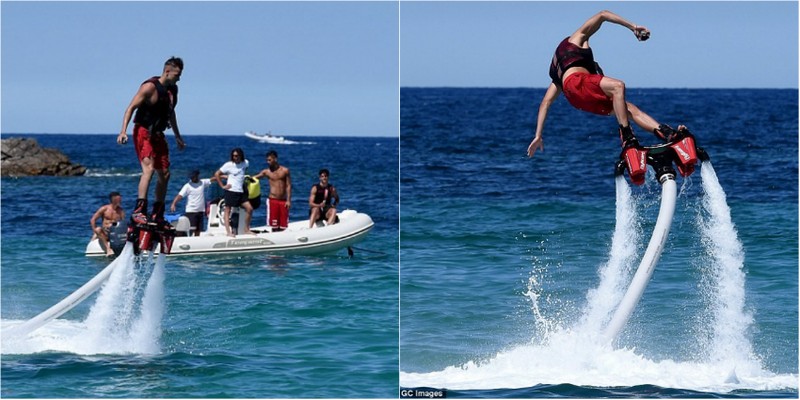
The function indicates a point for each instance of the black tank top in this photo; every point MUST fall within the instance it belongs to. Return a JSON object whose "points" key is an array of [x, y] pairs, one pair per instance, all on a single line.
{"points": [[155, 117], [323, 194], [569, 55]]}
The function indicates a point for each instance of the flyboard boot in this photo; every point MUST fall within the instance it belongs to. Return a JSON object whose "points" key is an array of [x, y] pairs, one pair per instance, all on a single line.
{"points": [[633, 154], [139, 224], [680, 149], [665, 133], [165, 232]]}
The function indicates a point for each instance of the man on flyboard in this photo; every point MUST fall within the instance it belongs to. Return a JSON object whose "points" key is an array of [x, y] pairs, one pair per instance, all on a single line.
{"points": [[154, 104], [574, 71]]}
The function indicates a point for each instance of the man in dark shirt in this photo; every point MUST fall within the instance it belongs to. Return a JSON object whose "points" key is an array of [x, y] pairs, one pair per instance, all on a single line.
{"points": [[154, 104], [574, 72]]}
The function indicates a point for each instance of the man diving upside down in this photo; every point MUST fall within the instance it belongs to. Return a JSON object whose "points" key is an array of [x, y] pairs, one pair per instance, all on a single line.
{"points": [[574, 72]]}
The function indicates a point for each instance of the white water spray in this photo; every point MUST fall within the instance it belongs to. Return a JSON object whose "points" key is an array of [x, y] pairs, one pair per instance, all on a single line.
{"points": [[573, 355], [125, 318], [724, 283], [602, 300]]}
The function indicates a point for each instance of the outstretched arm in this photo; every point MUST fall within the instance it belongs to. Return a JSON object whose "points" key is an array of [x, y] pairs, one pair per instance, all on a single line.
{"points": [[592, 25], [549, 97]]}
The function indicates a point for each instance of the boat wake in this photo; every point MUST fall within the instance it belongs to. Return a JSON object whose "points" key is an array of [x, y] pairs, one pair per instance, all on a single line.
{"points": [[578, 353], [125, 318]]}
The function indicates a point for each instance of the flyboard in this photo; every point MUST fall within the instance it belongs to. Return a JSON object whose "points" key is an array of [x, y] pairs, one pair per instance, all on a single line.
{"points": [[140, 237], [684, 154]]}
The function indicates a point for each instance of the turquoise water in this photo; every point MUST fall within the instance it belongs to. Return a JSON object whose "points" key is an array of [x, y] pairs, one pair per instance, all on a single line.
{"points": [[508, 268], [249, 326]]}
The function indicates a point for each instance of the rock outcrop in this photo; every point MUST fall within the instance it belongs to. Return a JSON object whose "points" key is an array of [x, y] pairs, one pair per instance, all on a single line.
{"points": [[24, 157]]}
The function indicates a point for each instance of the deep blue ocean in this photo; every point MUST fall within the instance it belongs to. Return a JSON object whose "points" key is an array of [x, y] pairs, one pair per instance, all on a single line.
{"points": [[250, 326], [502, 263], [505, 259]]}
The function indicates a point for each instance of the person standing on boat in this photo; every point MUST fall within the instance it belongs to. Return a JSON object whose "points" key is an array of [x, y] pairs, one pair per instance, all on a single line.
{"points": [[194, 192], [154, 104], [574, 71], [323, 200], [235, 169], [111, 214], [280, 192]]}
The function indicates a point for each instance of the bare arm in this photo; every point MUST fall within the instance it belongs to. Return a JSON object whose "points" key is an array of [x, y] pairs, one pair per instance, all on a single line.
{"points": [[550, 96], [145, 91], [97, 214], [263, 173], [335, 196], [288, 189], [311, 197], [592, 25], [218, 176], [175, 202], [173, 122]]}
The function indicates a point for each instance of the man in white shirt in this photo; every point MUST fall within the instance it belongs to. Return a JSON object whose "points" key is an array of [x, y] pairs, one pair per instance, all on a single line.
{"points": [[235, 170], [194, 192]]}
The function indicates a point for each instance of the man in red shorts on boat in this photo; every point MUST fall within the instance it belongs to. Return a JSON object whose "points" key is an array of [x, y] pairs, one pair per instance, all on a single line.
{"points": [[154, 104], [574, 71], [280, 192]]}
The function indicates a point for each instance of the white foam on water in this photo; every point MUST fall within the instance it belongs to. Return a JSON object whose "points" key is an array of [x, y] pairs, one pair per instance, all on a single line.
{"points": [[578, 354], [723, 285], [125, 318]]}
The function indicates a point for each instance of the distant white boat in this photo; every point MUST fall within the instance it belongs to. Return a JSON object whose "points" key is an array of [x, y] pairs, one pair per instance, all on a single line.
{"points": [[270, 138], [267, 138]]}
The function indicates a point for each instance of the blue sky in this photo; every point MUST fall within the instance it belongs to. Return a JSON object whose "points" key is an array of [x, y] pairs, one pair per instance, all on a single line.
{"points": [[295, 68], [510, 44], [333, 68]]}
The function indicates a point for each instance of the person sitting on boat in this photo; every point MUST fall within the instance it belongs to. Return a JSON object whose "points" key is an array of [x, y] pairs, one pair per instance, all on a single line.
{"points": [[280, 192], [323, 200], [194, 192], [111, 214], [235, 169]]}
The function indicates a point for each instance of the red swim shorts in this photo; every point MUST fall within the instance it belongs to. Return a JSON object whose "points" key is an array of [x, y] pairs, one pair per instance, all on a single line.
{"points": [[152, 146], [583, 91], [278, 214]]}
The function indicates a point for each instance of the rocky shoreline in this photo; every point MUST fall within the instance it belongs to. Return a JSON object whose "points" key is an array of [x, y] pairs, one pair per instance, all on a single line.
{"points": [[25, 157]]}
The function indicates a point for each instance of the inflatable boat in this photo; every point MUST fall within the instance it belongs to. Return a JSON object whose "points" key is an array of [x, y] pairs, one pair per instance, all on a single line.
{"points": [[298, 238]]}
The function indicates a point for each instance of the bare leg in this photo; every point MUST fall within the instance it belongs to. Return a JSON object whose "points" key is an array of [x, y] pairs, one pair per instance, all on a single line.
{"points": [[331, 216], [147, 175], [105, 244], [228, 221], [641, 118], [615, 90], [248, 216], [161, 185], [313, 218]]}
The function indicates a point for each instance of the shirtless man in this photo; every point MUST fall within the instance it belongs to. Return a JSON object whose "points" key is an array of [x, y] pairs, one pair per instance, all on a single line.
{"points": [[110, 213], [280, 192]]}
